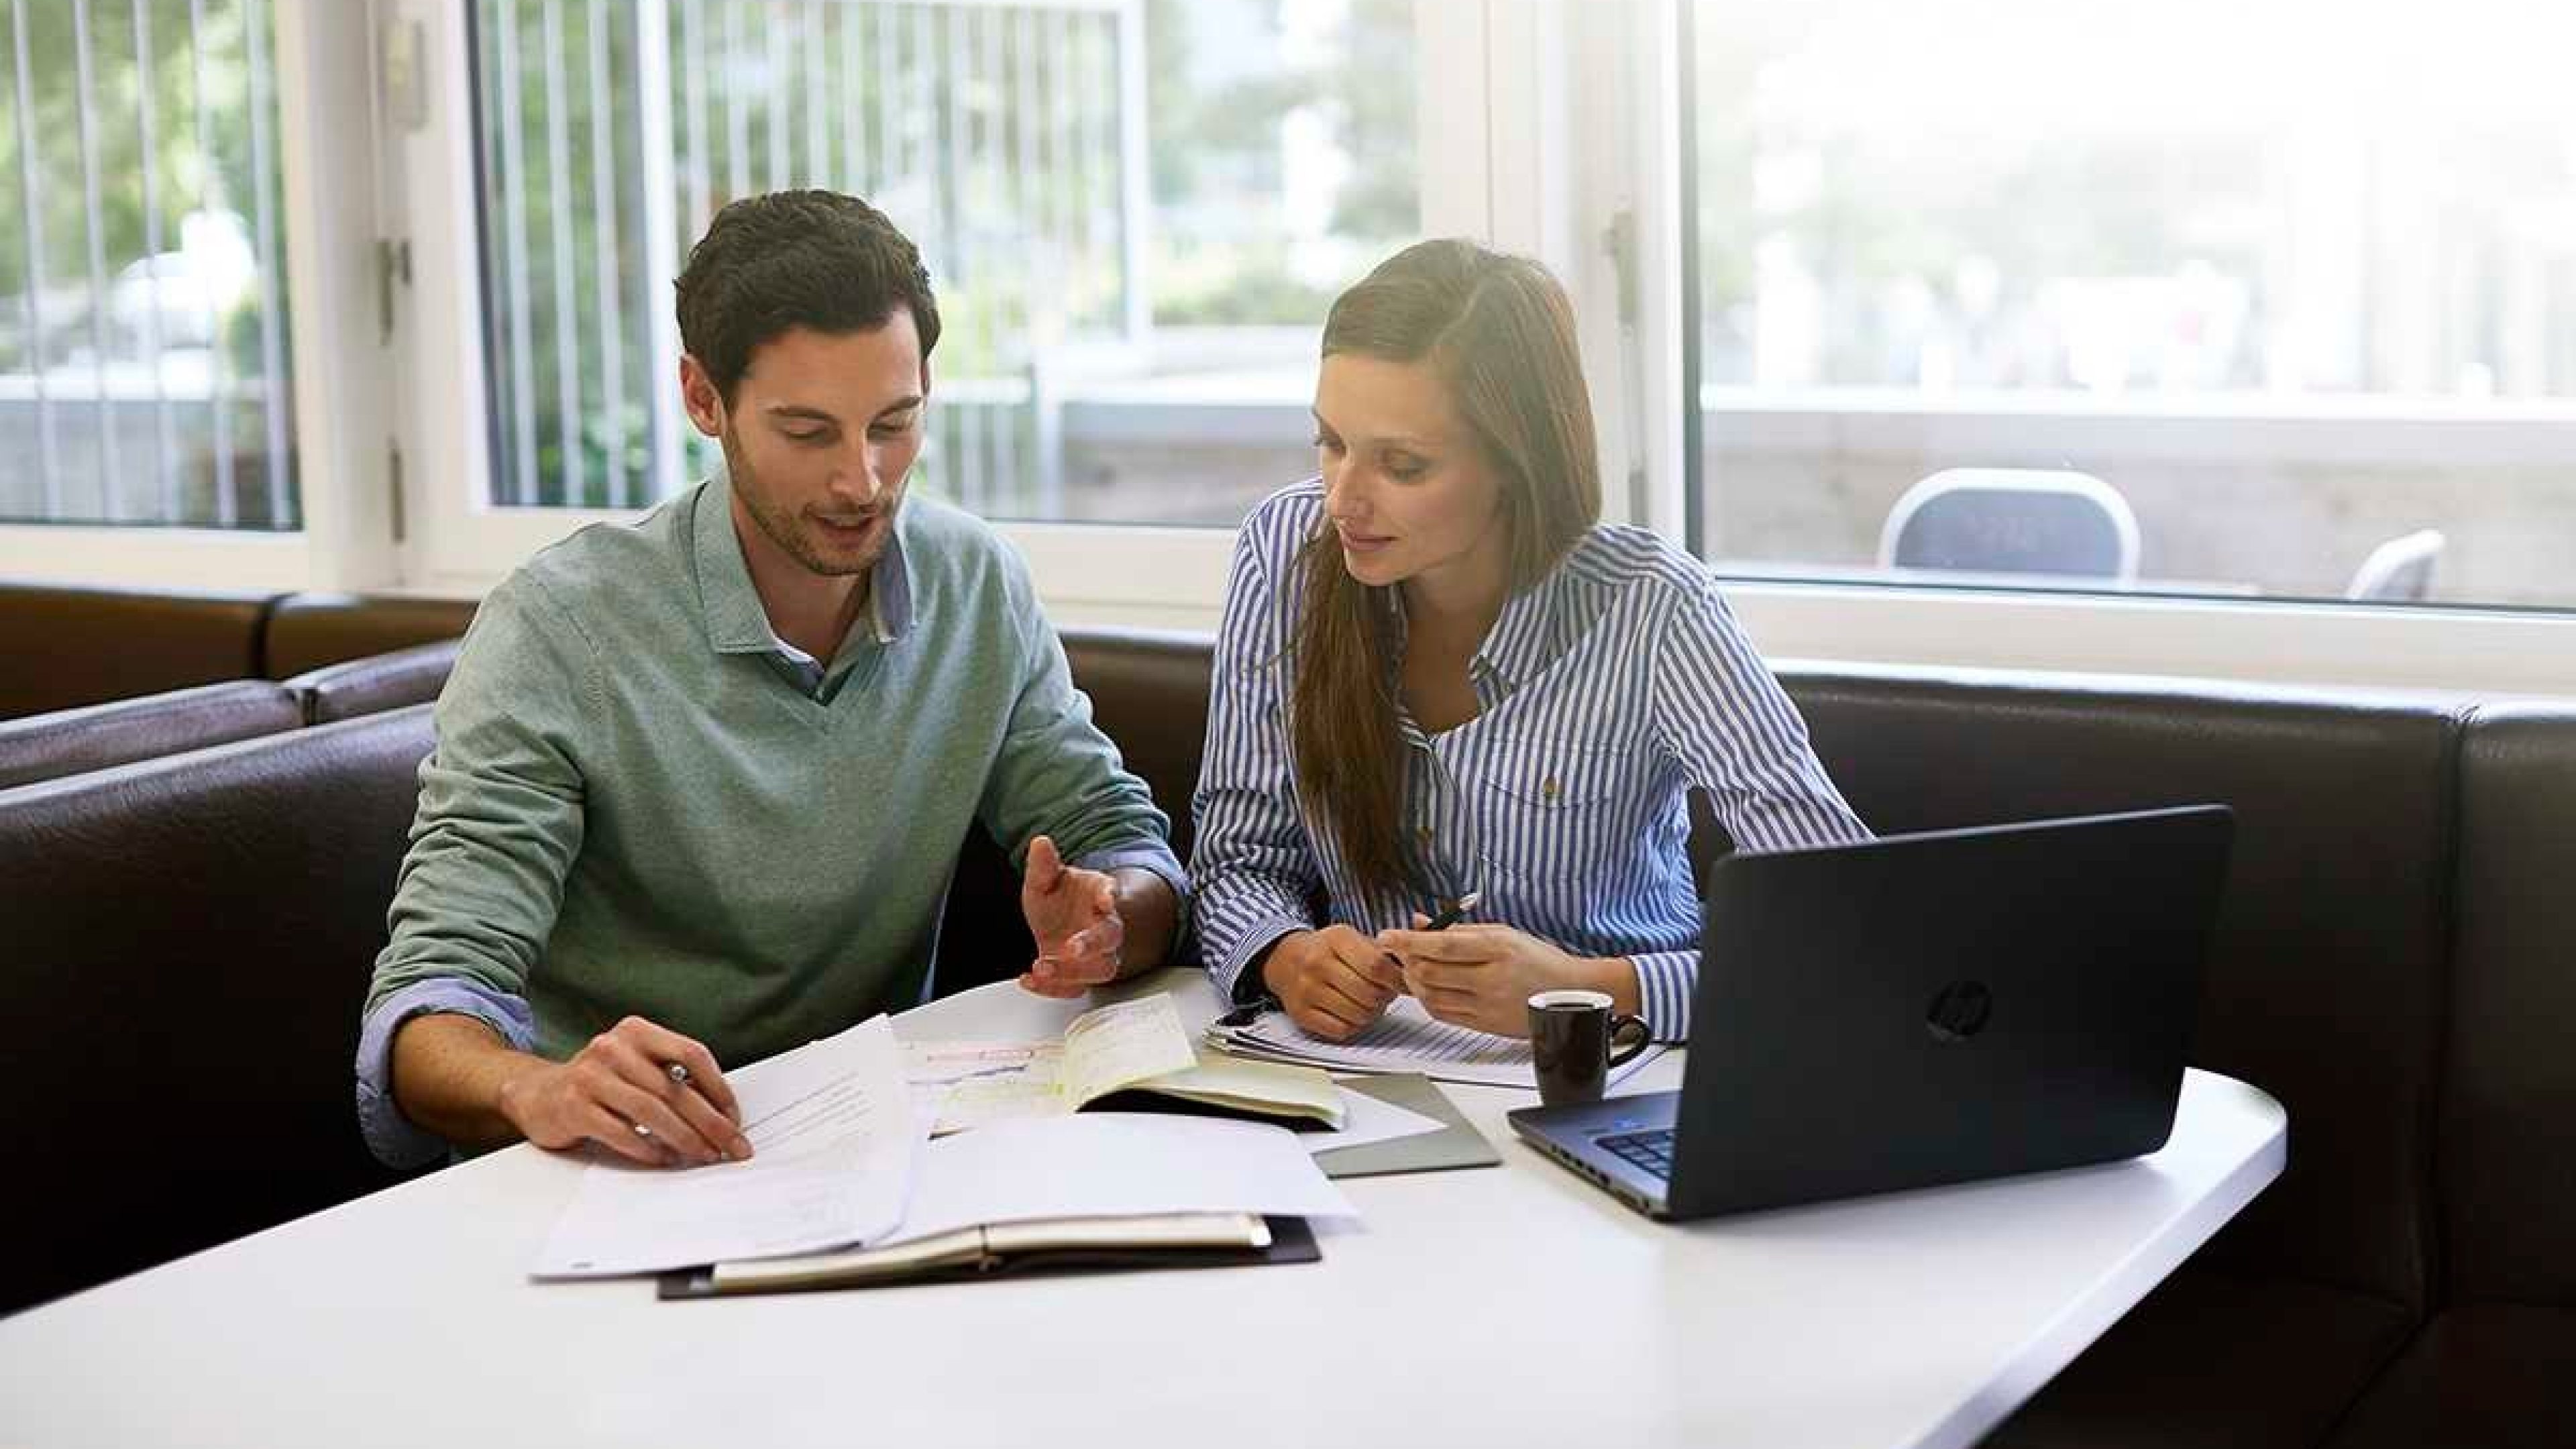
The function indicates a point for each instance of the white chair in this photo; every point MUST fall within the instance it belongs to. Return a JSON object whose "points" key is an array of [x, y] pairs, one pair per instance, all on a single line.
{"points": [[2013, 521], [2398, 570]]}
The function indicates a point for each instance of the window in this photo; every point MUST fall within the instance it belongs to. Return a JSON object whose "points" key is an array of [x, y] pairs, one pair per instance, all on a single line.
{"points": [[144, 369], [2295, 282], [1135, 213]]}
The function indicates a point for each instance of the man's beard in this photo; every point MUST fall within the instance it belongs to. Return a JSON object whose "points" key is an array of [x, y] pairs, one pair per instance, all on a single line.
{"points": [[786, 530]]}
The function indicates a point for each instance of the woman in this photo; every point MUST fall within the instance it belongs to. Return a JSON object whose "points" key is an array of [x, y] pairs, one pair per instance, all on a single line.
{"points": [[1438, 676]]}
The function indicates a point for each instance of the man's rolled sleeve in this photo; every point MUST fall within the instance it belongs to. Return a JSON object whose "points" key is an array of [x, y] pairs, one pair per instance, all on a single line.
{"points": [[1155, 858], [390, 1135], [1057, 775], [499, 824]]}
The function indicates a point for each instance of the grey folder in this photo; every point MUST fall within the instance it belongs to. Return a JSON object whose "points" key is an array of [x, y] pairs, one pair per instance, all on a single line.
{"points": [[1456, 1144]]}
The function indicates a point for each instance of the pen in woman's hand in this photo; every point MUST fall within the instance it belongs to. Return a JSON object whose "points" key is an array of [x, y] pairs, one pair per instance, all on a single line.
{"points": [[1454, 912]]}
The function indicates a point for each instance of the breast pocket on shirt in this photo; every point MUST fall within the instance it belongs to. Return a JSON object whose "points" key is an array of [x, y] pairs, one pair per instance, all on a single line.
{"points": [[1554, 810]]}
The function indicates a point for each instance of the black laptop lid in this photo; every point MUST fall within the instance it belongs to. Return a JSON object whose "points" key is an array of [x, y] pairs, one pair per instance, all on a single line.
{"points": [[1944, 1007]]}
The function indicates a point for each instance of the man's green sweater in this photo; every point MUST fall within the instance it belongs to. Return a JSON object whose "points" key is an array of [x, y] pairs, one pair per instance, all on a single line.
{"points": [[641, 802]]}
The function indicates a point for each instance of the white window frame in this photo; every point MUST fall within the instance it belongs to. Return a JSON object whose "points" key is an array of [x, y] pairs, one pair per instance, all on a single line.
{"points": [[459, 543], [342, 379], [455, 541], [2453, 651], [1499, 149], [1510, 152]]}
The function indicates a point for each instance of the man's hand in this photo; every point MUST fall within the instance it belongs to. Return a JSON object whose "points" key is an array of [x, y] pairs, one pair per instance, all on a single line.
{"points": [[1073, 914], [620, 1092], [1483, 976], [1333, 982]]}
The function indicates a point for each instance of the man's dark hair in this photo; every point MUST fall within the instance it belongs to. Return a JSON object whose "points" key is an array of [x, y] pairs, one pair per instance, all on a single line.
{"points": [[790, 259]]}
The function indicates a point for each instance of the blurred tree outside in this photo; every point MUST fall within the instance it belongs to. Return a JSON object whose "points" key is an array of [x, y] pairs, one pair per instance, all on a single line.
{"points": [[131, 126], [990, 133]]}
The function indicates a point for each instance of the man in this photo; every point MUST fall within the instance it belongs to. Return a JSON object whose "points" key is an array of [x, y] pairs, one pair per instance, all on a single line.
{"points": [[699, 780]]}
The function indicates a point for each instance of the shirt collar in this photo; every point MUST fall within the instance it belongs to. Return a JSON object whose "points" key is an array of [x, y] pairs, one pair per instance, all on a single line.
{"points": [[736, 622], [1523, 638], [1522, 641]]}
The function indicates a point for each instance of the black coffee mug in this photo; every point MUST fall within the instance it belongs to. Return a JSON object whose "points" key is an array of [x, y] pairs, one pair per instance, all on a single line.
{"points": [[1572, 1034]]}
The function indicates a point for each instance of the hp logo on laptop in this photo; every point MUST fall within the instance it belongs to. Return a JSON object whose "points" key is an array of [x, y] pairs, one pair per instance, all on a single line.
{"points": [[1959, 1011]]}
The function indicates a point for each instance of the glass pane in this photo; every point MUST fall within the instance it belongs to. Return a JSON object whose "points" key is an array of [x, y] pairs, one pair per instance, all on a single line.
{"points": [[2295, 283], [144, 371], [1135, 213]]}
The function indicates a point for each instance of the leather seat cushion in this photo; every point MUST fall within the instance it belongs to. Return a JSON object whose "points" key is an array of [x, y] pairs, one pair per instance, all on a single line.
{"points": [[2481, 1376], [100, 736], [2210, 1361]]}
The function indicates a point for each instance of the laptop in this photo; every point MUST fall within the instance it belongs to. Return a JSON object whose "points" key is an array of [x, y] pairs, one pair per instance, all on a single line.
{"points": [[1918, 1010]]}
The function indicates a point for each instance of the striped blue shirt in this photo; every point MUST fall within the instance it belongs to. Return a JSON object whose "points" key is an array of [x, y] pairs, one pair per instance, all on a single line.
{"points": [[1604, 693]]}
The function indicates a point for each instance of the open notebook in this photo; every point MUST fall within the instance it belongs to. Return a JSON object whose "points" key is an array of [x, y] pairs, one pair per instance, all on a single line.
{"points": [[1099, 1190], [1132, 1056], [841, 1163]]}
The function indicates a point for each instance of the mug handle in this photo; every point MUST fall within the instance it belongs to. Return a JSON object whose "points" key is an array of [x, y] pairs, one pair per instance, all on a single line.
{"points": [[1620, 1056]]}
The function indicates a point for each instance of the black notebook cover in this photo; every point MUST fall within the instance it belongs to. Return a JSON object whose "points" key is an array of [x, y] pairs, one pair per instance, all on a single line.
{"points": [[1145, 1099], [1291, 1241]]}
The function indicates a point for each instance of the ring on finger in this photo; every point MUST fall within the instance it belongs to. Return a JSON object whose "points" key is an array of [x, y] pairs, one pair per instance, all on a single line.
{"points": [[642, 1130]]}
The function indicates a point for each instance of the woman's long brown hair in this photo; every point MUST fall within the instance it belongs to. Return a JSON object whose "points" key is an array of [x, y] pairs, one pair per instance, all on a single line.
{"points": [[1500, 332]]}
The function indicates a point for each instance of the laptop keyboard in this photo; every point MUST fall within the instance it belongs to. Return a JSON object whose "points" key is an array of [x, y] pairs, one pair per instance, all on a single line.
{"points": [[1651, 1151]]}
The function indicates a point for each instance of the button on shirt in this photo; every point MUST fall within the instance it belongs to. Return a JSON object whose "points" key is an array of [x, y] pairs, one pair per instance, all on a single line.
{"points": [[1604, 693]]}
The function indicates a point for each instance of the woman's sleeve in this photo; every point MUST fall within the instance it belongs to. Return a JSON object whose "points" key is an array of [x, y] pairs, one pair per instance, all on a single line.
{"points": [[1720, 713], [1252, 868]]}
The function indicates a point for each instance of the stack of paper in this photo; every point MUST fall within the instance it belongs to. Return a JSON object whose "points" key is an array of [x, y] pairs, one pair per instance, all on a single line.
{"points": [[840, 1162], [1406, 1039]]}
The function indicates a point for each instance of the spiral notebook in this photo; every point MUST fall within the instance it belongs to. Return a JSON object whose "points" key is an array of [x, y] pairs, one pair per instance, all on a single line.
{"points": [[1405, 1039]]}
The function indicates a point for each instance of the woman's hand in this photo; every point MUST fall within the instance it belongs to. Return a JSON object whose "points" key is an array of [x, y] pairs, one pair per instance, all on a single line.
{"points": [[1333, 982], [1483, 975]]}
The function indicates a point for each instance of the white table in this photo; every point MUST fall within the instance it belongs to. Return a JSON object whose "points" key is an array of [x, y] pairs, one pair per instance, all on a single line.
{"points": [[1501, 1306]]}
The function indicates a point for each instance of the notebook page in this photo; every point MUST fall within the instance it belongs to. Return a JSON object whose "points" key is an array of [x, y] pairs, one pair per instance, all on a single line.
{"points": [[1406, 1039], [1116, 1045]]}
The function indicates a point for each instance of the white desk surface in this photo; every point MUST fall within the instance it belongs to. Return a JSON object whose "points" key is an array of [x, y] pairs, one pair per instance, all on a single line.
{"points": [[1500, 1306]]}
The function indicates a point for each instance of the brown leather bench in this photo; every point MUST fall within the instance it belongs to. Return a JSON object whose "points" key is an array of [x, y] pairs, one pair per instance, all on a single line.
{"points": [[101, 736], [2324, 988], [96, 669], [189, 941], [2496, 1366], [64, 647], [305, 632], [374, 683]]}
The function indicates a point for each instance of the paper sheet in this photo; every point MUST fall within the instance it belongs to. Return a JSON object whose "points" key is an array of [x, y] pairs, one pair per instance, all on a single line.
{"points": [[1115, 1164], [833, 1142], [1368, 1120]]}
